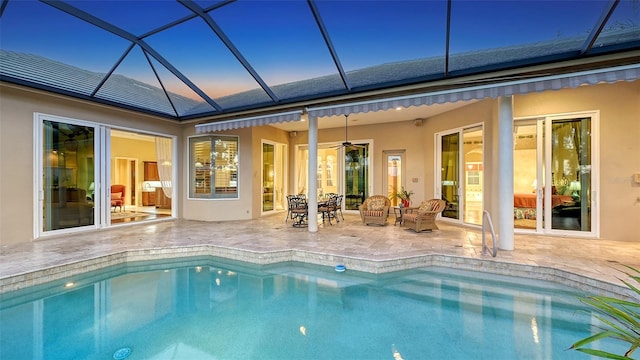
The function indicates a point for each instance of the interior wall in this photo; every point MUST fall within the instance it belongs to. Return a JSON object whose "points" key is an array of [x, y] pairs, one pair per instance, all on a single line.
{"points": [[133, 149], [17, 108], [619, 148]]}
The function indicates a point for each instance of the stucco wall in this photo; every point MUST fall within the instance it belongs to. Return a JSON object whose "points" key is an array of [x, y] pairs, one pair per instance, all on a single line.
{"points": [[17, 108], [240, 208], [619, 150], [619, 107], [401, 135]]}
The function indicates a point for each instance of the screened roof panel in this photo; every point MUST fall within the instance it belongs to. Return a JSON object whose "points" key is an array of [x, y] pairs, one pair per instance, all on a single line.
{"points": [[283, 44], [489, 32], [387, 32], [194, 49], [141, 86], [622, 27], [185, 101], [190, 59], [55, 49], [134, 16]]}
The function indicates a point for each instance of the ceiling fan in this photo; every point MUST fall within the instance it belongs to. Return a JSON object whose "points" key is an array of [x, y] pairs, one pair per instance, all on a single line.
{"points": [[347, 143]]}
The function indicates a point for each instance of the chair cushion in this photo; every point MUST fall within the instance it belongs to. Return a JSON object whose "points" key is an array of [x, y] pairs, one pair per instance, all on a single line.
{"points": [[375, 204], [428, 206], [116, 196], [373, 213], [412, 217]]}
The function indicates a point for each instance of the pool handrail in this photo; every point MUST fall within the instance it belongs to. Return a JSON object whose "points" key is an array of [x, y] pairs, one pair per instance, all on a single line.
{"points": [[486, 216]]}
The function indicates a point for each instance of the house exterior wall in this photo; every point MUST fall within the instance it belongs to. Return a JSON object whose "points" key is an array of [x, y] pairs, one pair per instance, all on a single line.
{"points": [[619, 150], [240, 208], [17, 108], [619, 107], [401, 135]]}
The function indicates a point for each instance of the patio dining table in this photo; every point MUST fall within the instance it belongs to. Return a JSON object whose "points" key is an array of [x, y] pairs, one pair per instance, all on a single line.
{"points": [[299, 210]]}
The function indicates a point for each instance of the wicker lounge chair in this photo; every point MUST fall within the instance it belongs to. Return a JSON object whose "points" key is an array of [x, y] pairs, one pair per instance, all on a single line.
{"points": [[375, 210], [424, 216]]}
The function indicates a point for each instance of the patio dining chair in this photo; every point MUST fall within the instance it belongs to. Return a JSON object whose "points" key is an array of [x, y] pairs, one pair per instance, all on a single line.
{"points": [[328, 209], [298, 210], [291, 203]]}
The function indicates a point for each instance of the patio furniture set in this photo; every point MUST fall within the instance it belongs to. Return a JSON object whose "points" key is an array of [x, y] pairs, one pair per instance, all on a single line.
{"points": [[373, 211], [328, 207]]}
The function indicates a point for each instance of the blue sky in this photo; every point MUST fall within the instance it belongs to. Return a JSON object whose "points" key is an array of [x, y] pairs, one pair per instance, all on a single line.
{"points": [[280, 38]]}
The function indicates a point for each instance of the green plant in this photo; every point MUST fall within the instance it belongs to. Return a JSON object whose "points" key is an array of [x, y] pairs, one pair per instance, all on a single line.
{"points": [[403, 194], [621, 319]]}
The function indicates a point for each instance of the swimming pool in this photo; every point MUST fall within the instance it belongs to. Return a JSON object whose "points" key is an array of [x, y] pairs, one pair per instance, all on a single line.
{"points": [[209, 308]]}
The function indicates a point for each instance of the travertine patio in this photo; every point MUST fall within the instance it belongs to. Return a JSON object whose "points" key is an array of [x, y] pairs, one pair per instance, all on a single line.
{"points": [[589, 264]]}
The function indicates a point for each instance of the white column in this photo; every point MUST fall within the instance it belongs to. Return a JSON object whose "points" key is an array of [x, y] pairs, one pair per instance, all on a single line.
{"points": [[313, 174], [505, 172]]}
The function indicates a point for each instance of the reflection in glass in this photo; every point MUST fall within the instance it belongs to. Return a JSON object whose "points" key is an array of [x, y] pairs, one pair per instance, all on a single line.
{"points": [[394, 178], [571, 168], [68, 175], [268, 175], [356, 187], [450, 176], [213, 167], [473, 174]]}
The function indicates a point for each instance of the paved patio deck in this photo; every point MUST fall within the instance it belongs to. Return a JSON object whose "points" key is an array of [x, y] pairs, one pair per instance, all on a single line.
{"points": [[589, 264]]}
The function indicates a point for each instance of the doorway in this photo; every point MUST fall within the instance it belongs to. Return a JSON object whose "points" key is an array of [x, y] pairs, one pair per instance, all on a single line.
{"points": [[343, 170], [77, 162], [274, 160], [554, 163], [66, 177], [460, 160], [394, 180]]}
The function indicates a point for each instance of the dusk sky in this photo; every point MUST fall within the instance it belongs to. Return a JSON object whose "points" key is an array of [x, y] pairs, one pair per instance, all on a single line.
{"points": [[281, 40]]}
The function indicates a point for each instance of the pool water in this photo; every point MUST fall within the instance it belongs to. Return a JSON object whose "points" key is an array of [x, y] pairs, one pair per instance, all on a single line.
{"points": [[209, 308]]}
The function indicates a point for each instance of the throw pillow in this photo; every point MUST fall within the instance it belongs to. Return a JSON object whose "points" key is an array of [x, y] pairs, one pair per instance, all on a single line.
{"points": [[375, 204]]}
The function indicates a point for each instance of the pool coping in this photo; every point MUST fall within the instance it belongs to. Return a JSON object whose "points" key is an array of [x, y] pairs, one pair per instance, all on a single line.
{"points": [[379, 266]]}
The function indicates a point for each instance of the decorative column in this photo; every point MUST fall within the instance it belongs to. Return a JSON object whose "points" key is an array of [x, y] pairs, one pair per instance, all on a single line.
{"points": [[505, 173], [313, 174]]}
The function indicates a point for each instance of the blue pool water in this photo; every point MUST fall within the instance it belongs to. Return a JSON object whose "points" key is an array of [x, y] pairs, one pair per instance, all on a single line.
{"points": [[209, 308]]}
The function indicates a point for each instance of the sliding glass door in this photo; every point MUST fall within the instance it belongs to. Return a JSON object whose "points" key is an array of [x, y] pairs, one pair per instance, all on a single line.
{"points": [[68, 175], [460, 179], [553, 167], [92, 176]]}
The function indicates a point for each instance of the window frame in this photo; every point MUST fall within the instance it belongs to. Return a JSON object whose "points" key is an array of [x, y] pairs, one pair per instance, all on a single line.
{"points": [[212, 194]]}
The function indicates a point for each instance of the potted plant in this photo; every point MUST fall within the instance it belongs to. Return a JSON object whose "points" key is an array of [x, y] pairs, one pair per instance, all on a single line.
{"points": [[404, 195]]}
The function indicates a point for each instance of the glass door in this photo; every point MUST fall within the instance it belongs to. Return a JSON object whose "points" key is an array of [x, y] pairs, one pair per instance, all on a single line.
{"points": [[273, 176], [563, 159], [450, 174], [460, 159], [67, 186], [569, 157], [343, 170], [356, 165], [395, 179]]}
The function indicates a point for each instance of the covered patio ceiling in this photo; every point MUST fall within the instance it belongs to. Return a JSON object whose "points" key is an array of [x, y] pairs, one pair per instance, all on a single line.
{"points": [[197, 60]]}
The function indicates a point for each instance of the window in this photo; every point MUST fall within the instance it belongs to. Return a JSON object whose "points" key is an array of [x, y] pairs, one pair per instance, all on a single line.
{"points": [[473, 178], [213, 167]]}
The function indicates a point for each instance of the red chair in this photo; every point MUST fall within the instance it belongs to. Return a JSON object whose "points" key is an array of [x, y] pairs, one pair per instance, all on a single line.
{"points": [[117, 196]]}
